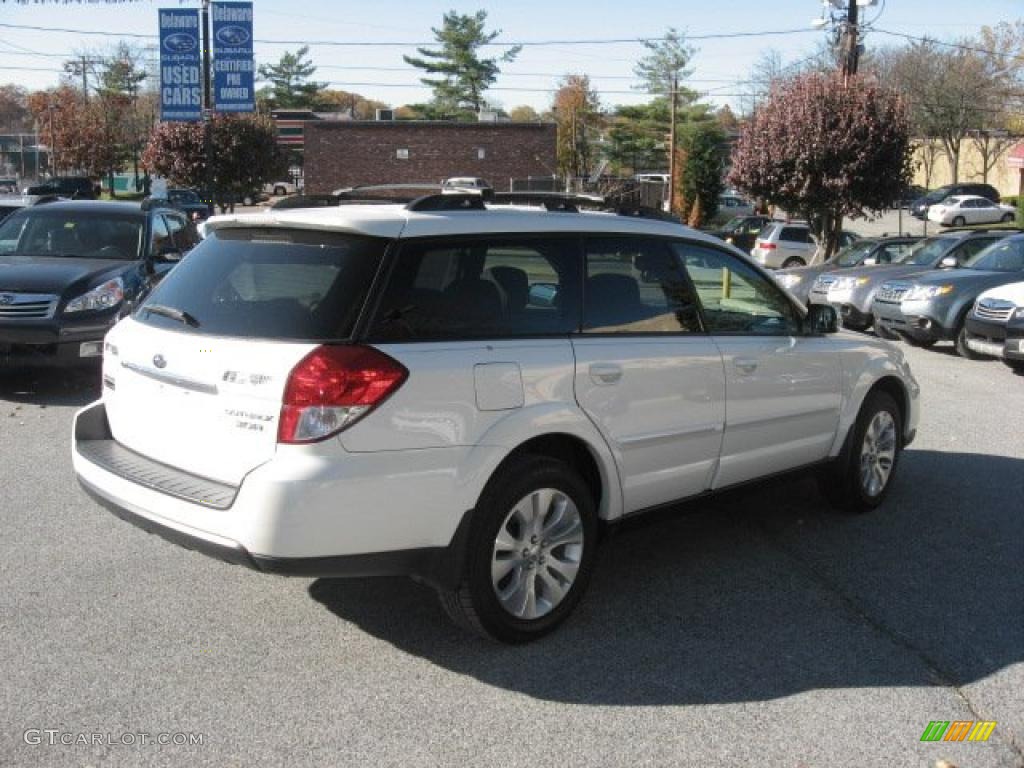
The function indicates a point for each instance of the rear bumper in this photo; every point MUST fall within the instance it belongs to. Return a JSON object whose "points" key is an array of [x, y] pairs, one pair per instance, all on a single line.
{"points": [[378, 514], [430, 564]]}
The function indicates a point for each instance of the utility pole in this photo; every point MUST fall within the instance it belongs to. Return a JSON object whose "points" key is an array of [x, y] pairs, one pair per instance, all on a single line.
{"points": [[672, 143], [208, 104], [851, 47]]}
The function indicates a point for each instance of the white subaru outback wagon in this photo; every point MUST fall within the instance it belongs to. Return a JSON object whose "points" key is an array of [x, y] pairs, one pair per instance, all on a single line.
{"points": [[468, 396]]}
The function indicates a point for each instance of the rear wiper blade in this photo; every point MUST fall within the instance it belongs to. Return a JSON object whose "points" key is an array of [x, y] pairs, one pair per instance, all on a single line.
{"points": [[172, 312]]}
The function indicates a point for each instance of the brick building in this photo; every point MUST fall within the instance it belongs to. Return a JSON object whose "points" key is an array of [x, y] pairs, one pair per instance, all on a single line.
{"points": [[351, 153]]}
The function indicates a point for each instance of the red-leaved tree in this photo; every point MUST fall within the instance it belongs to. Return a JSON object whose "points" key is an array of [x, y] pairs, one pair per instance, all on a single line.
{"points": [[245, 155], [826, 148]]}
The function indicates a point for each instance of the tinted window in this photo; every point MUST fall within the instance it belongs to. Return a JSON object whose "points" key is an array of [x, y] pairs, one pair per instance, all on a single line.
{"points": [[273, 284], [795, 234], [481, 288], [636, 285], [736, 298], [48, 232]]}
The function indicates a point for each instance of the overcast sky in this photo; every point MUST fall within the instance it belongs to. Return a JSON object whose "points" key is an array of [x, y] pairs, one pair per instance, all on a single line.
{"points": [[379, 72]]}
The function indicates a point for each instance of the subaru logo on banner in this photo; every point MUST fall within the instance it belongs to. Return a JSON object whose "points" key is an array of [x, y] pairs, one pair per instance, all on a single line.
{"points": [[233, 70], [181, 72]]}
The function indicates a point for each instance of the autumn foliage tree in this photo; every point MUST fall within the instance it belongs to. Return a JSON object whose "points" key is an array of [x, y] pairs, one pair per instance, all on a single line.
{"points": [[79, 133], [826, 148], [577, 112], [245, 155]]}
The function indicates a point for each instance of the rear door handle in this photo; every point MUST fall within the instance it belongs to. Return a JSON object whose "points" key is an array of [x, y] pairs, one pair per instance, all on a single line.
{"points": [[605, 373], [745, 364]]}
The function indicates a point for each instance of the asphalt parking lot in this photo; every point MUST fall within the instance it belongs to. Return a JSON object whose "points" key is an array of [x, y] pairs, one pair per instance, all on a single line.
{"points": [[760, 629]]}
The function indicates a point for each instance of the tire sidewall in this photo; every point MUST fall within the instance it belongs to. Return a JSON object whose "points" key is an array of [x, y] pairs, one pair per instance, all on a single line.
{"points": [[875, 402], [514, 483]]}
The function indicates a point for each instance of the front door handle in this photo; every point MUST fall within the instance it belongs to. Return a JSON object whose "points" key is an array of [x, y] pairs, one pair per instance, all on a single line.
{"points": [[745, 364], [605, 373]]}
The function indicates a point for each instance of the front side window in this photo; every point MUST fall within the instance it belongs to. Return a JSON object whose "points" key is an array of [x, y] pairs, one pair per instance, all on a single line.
{"points": [[481, 288], [966, 252], [736, 298], [636, 285]]}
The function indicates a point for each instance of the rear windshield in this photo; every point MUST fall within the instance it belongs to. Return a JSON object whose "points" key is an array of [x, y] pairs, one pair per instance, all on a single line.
{"points": [[274, 284], [767, 232]]}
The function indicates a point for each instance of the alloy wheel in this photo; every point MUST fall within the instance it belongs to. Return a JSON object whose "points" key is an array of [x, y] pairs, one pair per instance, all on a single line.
{"points": [[537, 554], [878, 453]]}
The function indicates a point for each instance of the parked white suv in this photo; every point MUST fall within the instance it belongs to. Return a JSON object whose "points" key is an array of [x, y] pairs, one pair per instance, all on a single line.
{"points": [[789, 244], [468, 395]]}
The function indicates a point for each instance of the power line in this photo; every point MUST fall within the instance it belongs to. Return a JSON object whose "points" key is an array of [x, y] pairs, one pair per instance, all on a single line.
{"points": [[931, 41], [413, 44]]}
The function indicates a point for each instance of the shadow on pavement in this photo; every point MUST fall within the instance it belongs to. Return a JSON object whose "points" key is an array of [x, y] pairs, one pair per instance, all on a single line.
{"points": [[50, 386], [763, 593]]}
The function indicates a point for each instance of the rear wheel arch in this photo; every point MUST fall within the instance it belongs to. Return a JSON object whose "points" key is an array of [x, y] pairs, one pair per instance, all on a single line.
{"points": [[570, 449]]}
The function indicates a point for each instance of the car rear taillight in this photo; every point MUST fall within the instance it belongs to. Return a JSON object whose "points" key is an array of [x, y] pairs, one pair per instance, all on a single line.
{"points": [[332, 387], [766, 246]]}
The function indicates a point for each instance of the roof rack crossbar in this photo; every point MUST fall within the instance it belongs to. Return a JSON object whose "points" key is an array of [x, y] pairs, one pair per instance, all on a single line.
{"points": [[448, 202]]}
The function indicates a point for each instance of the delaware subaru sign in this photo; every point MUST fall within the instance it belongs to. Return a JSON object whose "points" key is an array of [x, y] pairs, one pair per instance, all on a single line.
{"points": [[181, 81], [233, 89]]}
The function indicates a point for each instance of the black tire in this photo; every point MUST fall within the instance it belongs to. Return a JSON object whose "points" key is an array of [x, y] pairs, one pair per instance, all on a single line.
{"points": [[841, 482], [280, 191], [852, 326], [1017, 366], [793, 261], [248, 200], [922, 343], [960, 342], [1007, 218], [474, 604], [959, 221]]}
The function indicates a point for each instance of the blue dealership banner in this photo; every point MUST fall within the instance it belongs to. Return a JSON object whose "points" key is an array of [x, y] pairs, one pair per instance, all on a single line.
{"points": [[233, 69], [181, 71]]}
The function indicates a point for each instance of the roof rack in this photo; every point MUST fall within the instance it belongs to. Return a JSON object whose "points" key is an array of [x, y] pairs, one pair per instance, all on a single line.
{"points": [[385, 193]]}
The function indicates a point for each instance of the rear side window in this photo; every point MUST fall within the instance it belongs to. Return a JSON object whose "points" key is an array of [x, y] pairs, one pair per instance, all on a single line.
{"points": [[269, 284], [795, 234], [636, 285], [469, 288]]}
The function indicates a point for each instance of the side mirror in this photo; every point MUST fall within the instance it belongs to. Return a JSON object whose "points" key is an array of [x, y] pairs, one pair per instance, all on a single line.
{"points": [[949, 262], [822, 318], [169, 253]]}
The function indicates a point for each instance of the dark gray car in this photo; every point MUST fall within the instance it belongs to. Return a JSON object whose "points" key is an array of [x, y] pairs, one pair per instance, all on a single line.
{"points": [[869, 251], [852, 291], [933, 307]]}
